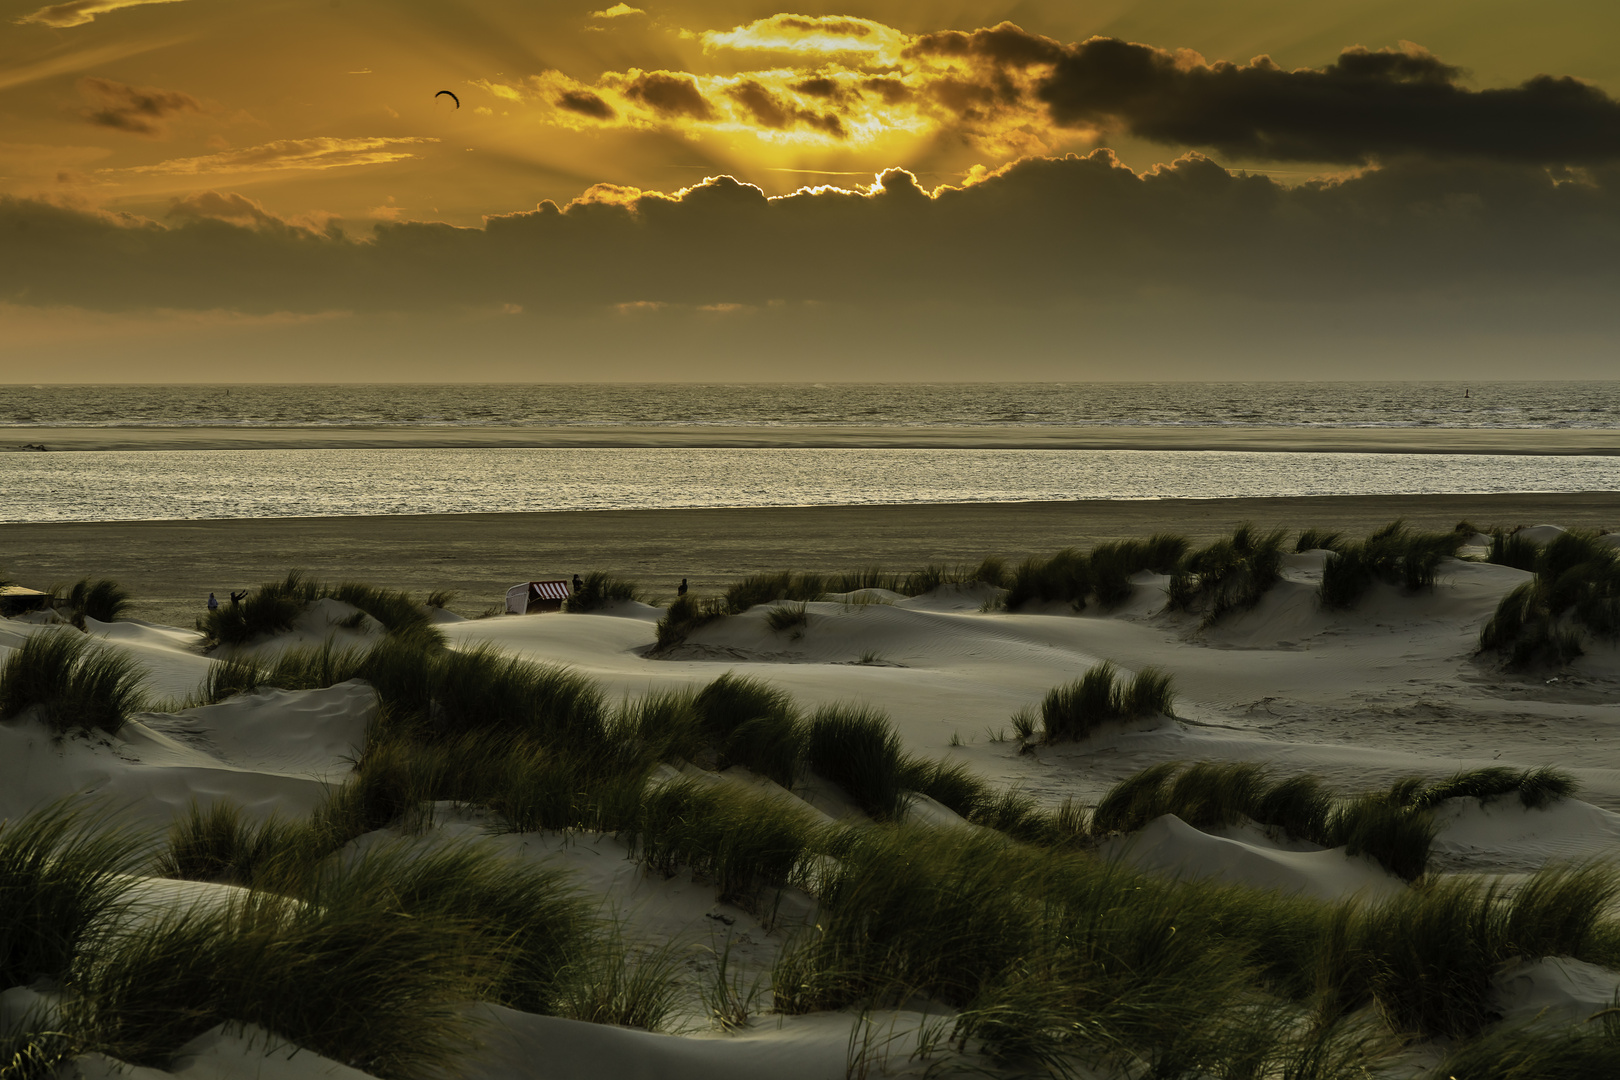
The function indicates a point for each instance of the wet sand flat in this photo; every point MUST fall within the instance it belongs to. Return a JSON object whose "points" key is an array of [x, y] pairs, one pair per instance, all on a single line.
{"points": [[1538, 441], [171, 566]]}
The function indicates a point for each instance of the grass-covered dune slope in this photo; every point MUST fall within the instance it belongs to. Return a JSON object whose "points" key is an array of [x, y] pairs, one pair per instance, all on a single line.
{"points": [[1143, 811]]}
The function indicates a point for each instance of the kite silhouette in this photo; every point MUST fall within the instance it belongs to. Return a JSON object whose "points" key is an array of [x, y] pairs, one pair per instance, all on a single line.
{"points": [[444, 93]]}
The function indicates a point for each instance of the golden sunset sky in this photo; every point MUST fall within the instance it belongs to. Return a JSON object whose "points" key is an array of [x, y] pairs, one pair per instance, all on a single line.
{"points": [[248, 190]]}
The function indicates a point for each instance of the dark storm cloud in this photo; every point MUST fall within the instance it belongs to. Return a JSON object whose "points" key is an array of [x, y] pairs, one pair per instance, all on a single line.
{"points": [[770, 111], [669, 93], [140, 110], [586, 104], [1366, 105], [1041, 232]]}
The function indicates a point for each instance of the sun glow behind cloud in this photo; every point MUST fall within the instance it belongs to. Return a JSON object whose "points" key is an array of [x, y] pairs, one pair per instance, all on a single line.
{"points": [[842, 94]]}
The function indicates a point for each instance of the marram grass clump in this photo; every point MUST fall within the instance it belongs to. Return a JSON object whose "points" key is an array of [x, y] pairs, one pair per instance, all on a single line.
{"points": [[274, 607], [71, 683], [1230, 575], [1394, 554], [1076, 709], [599, 590], [1574, 596]]}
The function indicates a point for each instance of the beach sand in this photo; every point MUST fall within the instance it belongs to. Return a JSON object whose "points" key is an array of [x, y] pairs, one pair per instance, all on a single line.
{"points": [[172, 566]]}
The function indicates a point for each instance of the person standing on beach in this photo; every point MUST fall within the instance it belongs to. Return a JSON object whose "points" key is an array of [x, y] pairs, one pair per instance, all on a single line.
{"points": [[579, 586], [238, 597], [213, 602], [680, 590]]}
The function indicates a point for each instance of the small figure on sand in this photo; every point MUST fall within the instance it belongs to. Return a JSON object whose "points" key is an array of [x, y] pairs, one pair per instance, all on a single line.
{"points": [[680, 590], [238, 597], [579, 586], [213, 602]]}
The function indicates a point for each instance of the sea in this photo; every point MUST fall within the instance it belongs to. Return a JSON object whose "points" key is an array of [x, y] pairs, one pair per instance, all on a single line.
{"points": [[194, 484]]}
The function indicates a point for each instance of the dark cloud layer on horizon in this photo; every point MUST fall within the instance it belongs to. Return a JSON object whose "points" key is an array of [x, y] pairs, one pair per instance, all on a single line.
{"points": [[1037, 233]]}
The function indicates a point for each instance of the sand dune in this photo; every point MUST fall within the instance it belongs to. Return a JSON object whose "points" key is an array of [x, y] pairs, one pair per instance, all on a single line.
{"points": [[1388, 689]]}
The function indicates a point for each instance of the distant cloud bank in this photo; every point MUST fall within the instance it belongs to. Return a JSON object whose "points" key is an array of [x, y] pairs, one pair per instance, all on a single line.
{"points": [[1037, 233]]}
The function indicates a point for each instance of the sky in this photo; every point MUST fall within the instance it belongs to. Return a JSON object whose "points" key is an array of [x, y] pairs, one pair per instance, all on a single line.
{"points": [[264, 190]]}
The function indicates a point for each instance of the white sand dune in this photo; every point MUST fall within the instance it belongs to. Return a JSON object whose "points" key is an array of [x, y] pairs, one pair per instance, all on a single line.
{"points": [[1169, 846], [1391, 688]]}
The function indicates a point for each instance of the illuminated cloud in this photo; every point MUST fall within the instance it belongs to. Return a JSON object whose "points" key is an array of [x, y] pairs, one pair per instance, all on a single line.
{"points": [[861, 41], [317, 153], [617, 11], [80, 12], [140, 110], [836, 83], [223, 206]]}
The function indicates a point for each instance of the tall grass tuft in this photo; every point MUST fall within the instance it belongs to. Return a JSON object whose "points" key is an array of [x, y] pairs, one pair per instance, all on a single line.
{"points": [[855, 748], [528, 920], [1314, 539], [870, 577], [686, 614], [1513, 549], [273, 608], [769, 588], [600, 589], [63, 875], [1575, 593], [1229, 575], [1112, 564], [377, 990], [103, 600], [952, 786], [1393, 554], [1516, 1053], [749, 846], [1065, 577], [220, 845], [72, 683], [785, 618], [1074, 710], [1395, 827]]}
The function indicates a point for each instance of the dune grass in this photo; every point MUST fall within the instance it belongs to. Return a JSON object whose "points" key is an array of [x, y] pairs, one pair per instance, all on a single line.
{"points": [[102, 599], [788, 618], [1588, 1052], [373, 989], [770, 588], [1395, 826], [1574, 595], [1112, 564], [219, 844], [532, 926], [1513, 549], [1062, 578], [748, 845], [1232, 574], [686, 614], [601, 589], [71, 682], [1393, 554], [1076, 709], [855, 748], [1314, 539], [292, 669], [63, 875], [274, 607]]}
